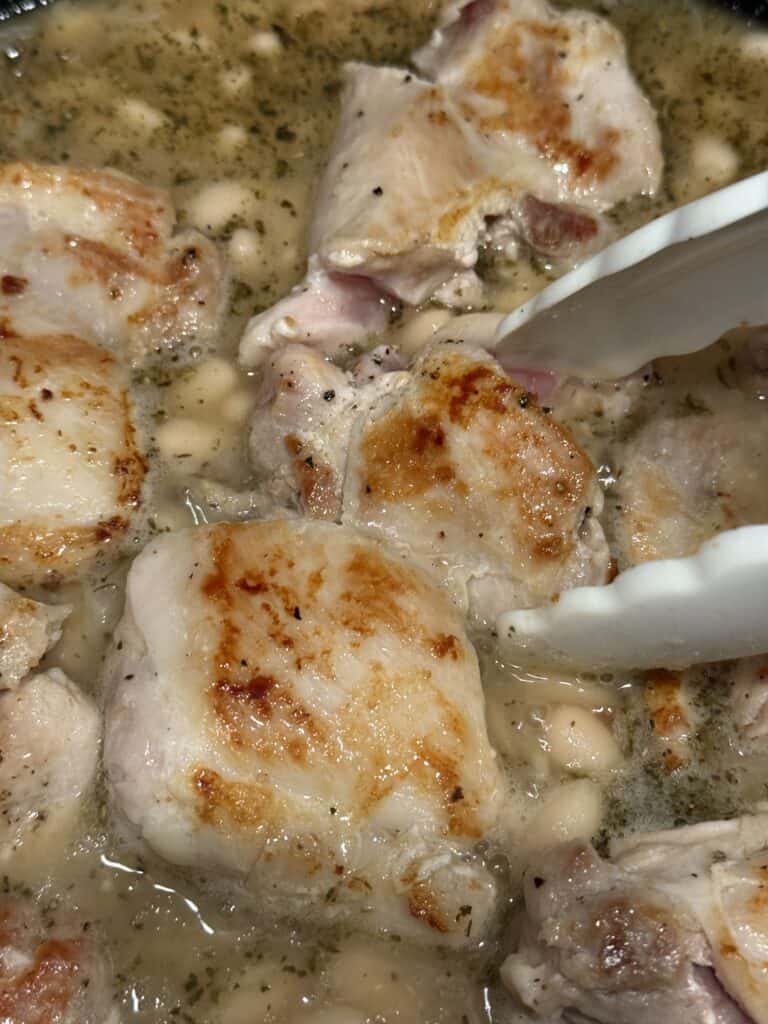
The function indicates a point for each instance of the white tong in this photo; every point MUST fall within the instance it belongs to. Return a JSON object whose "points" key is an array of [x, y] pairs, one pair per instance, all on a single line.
{"points": [[670, 288], [671, 613]]}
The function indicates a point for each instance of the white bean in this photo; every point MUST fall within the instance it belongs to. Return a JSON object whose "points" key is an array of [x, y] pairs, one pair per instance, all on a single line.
{"points": [[513, 732], [232, 137], [419, 329], [188, 439], [209, 383], [246, 253], [580, 741], [573, 810], [219, 203], [141, 115], [263, 994], [235, 80], [714, 160], [265, 44], [755, 45], [365, 974], [237, 406]]}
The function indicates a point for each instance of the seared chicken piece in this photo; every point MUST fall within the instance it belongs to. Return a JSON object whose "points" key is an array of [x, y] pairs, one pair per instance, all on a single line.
{"points": [[50, 973], [27, 630], [685, 479], [295, 710], [525, 124], [71, 471], [49, 738], [672, 715], [463, 469], [93, 253], [300, 430], [674, 930], [453, 461]]}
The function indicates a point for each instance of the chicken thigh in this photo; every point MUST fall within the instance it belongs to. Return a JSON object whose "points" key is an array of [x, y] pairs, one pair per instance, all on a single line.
{"points": [[685, 478], [524, 123], [51, 972], [297, 712], [462, 468], [49, 739], [674, 928], [453, 461], [27, 630], [301, 428], [71, 469], [92, 277], [93, 254]]}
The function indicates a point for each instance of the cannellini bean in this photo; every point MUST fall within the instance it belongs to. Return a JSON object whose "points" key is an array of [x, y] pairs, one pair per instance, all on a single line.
{"points": [[246, 253], [755, 45], [363, 972], [236, 407], [513, 732], [573, 810], [418, 330], [235, 80], [219, 203], [188, 439], [265, 44], [210, 382], [263, 994], [557, 688], [141, 115], [232, 137], [714, 160], [580, 741]]}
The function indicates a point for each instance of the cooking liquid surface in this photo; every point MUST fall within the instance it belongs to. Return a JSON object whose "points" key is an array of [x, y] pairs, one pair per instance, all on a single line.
{"points": [[232, 107]]}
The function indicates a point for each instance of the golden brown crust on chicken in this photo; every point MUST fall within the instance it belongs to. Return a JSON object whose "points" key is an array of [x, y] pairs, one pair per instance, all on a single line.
{"points": [[71, 466], [49, 974], [325, 726], [464, 459], [95, 253]]}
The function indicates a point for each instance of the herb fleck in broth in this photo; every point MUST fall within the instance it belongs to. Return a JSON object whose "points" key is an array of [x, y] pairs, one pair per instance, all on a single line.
{"points": [[232, 106]]}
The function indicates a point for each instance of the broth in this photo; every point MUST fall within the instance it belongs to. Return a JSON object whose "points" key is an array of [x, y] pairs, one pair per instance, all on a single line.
{"points": [[232, 106]]}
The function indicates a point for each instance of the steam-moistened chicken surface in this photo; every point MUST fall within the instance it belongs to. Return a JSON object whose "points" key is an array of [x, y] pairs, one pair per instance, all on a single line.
{"points": [[462, 468], [525, 125], [301, 428], [49, 739], [50, 972], [674, 929], [93, 253], [697, 463], [27, 630], [673, 716], [685, 479], [295, 709], [71, 472]]}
